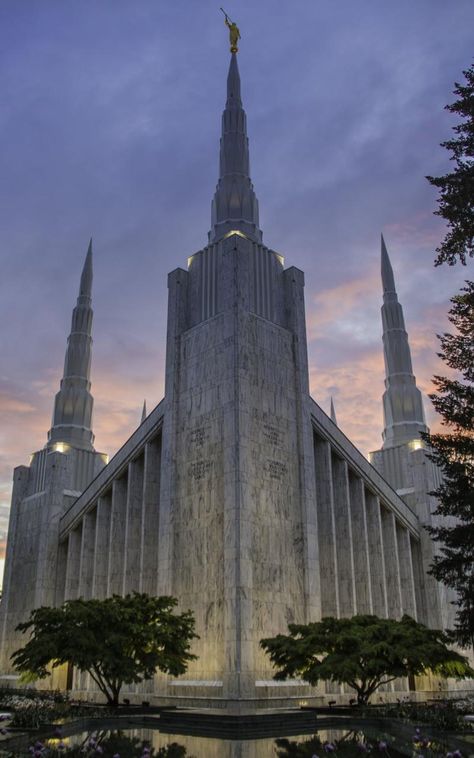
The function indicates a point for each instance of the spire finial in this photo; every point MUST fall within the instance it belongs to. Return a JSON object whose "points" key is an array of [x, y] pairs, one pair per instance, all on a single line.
{"points": [[85, 288], [234, 33], [143, 412], [333, 413], [388, 280]]}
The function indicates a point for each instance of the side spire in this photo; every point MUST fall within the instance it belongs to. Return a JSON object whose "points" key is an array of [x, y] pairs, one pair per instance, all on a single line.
{"points": [[72, 415], [235, 205], [402, 402], [143, 412]]}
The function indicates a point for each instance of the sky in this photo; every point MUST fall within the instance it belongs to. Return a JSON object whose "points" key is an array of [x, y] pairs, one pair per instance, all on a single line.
{"points": [[109, 124]]}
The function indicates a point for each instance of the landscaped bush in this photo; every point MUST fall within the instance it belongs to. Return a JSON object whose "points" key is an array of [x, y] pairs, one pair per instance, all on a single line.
{"points": [[31, 710], [446, 715], [57, 696], [31, 713]]}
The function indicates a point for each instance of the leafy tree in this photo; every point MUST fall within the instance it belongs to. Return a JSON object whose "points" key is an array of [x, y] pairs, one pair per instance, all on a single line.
{"points": [[119, 640], [363, 652], [453, 452], [456, 189]]}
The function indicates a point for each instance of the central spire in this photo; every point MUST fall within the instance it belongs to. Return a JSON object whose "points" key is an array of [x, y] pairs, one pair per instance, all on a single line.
{"points": [[235, 206]]}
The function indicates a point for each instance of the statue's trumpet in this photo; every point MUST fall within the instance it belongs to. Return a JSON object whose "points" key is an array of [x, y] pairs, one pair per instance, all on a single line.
{"points": [[225, 14]]}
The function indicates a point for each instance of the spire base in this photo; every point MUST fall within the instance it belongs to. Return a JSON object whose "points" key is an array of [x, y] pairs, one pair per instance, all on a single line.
{"points": [[227, 228]]}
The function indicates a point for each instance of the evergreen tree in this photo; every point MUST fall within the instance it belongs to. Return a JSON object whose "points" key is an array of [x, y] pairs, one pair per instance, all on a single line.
{"points": [[453, 451], [454, 454], [456, 189]]}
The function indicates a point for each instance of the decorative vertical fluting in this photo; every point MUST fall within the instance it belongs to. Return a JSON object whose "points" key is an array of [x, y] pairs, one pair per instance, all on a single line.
{"points": [[402, 402], [72, 416], [234, 206]]}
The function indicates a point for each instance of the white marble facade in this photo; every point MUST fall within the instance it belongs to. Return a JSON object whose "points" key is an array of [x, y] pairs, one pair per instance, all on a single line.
{"points": [[237, 493]]}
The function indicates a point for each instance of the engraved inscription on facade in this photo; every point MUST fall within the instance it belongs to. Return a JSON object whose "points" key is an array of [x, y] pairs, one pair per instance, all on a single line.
{"points": [[271, 434], [276, 469], [199, 469], [198, 436]]}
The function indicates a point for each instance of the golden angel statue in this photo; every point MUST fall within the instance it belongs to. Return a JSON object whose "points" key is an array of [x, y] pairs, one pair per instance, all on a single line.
{"points": [[234, 33]]}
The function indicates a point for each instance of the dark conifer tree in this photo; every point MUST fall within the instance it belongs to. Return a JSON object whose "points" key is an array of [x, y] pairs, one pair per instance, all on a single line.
{"points": [[453, 451], [456, 189]]}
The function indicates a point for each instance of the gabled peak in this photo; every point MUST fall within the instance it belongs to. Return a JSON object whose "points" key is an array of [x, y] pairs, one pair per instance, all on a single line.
{"points": [[233, 84], [388, 281], [85, 289]]}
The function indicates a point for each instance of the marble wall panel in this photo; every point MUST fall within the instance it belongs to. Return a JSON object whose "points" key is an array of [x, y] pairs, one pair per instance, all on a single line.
{"points": [[326, 528], [407, 582], [378, 581], [86, 565], [61, 573], [419, 576], [117, 546], [360, 540], [392, 564], [71, 589], [343, 537], [134, 525], [151, 518], [101, 546]]}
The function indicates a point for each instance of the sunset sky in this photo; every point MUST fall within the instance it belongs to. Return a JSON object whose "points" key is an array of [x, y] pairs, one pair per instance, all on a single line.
{"points": [[110, 120]]}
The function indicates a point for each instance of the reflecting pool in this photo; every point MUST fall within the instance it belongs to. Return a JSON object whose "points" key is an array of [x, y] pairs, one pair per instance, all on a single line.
{"points": [[341, 740]]}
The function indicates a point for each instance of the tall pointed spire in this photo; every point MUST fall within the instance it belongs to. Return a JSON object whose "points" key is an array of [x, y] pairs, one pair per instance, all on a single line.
{"points": [[235, 205], [143, 412], [72, 415], [402, 402]]}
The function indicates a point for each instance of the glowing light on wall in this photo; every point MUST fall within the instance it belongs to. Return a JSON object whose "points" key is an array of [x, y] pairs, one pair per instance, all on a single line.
{"points": [[61, 447], [416, 444], [235, 231]]}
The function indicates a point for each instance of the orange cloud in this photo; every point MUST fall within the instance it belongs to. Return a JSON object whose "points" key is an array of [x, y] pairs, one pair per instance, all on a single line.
{"points": [[342, 307]]}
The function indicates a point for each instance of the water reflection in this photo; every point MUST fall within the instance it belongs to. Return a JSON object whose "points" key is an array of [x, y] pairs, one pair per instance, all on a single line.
{"points": [[151, 743]]}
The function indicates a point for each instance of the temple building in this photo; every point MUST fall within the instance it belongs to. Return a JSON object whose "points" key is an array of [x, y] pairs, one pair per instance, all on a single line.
{"points": [[237, 494]]}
